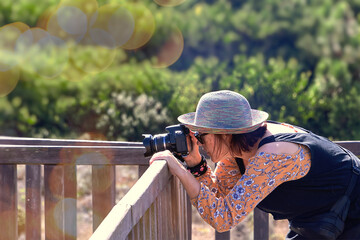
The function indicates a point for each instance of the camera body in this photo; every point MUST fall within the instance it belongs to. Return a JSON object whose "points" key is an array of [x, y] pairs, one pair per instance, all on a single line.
{"points": [[174, 141]]}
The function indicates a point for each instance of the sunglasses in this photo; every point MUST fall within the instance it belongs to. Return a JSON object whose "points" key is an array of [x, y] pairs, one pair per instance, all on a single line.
{"points": [[199, 137]]}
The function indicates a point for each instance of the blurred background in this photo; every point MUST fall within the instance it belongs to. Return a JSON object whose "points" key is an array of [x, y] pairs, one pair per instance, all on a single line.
{"points": [[112, 69], [115, 69]]}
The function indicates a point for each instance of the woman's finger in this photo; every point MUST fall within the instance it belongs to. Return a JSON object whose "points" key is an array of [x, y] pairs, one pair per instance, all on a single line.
{"points": [[164, 155]]}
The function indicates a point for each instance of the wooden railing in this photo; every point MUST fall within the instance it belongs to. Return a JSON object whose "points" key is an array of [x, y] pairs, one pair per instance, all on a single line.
{"points": [[58, 160], [156, 207]]}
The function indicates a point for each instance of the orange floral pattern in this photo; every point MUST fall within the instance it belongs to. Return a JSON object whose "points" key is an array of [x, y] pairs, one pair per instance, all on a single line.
{"points": [[226, 196]]}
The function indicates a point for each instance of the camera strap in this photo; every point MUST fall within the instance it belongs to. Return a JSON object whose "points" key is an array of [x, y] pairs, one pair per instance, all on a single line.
{"points": [[240, 163]]}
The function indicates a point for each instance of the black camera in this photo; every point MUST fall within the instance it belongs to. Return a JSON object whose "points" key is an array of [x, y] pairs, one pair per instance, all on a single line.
{"points": [[174, 141]]}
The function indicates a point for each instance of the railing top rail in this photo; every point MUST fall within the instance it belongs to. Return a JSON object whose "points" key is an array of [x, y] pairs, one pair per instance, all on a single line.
{"points": [[18, 150], [353, 146], [61, 142], [77, 155], [124, 216]]}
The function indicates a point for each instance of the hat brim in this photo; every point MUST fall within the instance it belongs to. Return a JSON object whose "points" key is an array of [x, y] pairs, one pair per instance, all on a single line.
{"points": [[258, 116]]}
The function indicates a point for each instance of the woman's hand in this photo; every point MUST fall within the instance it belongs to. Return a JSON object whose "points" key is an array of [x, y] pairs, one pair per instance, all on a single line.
{"points": [[192, 186], [194, 157], [174, 165]]}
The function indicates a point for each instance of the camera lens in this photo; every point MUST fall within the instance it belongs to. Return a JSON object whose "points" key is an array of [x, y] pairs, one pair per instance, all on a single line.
{"points": [[156, 143], [174, 141]]}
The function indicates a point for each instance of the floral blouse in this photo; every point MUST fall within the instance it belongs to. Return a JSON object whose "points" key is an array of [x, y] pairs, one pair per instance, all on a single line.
{"points": [[226, 196]]}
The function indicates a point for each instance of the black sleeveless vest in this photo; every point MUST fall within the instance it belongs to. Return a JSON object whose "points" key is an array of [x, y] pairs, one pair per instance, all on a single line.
{"points": [[326, 182]]}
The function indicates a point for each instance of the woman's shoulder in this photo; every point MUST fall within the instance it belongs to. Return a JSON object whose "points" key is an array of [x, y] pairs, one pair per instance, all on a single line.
{"points": [[275, 128], [280, 147]]}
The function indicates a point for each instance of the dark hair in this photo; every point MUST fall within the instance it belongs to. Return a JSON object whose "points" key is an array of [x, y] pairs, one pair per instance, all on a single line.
{"points": [[241, 142]]}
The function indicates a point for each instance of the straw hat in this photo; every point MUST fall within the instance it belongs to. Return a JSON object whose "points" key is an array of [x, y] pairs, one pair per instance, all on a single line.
{"points": [[223, 112]]}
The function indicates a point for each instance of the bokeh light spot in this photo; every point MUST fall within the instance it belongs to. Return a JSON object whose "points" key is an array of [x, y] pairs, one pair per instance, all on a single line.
{"points": [[116, 20], [121, 26], [169, 3], [8, 80], [92, 156], [42, 53], [89, 7], [102, 38], [72, 20], [8, 37], [53, 57], [68, 204], [43, 19], [92, 57], [171, 50], [19, 25], [54, 28], [27, 41], [144, 26], [56, 177]]}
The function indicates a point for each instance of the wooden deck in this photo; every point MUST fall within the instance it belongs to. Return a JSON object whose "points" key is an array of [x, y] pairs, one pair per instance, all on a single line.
{"points": [[141, 214]]}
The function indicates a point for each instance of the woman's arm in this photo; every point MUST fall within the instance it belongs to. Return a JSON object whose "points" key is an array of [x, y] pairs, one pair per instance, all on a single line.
{"points": [[191, 185], [263, 174], [220, 182]]}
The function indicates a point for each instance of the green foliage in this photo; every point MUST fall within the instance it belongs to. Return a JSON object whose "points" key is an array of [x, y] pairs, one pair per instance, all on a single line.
{"points": [[27, 11], [297, 60], [336, 93], [276, 87], [129, 117], [45, 108]]}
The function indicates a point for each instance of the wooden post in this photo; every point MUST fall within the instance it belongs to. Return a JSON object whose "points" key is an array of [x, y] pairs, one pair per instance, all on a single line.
{"points": [[70, 199], [261, 225], [54, 202], [33, 202], [8, 202], [222, 235], [188, 216], [142, 169], [103, 192]]}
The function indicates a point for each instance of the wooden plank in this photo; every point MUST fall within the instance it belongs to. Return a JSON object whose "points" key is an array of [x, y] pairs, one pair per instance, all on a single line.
{"points": [[159, 218], [117, 225], [62, 142], [139, 198], [261, 225], [152, 222], [189, 216], [33, 202], [146, 189], [135, 232], [353, 146], [141, 201], [178, 214], [8, 202], [163, 212], [103, 192], [142, 169], [176, 206], [186, 214], [82, 155], [142, 226], [222, 235], [54, 202], [70, 199], [169, 212]]}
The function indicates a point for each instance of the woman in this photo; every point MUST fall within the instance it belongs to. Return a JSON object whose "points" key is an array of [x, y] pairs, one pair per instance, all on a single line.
{"points": [[282, 169]]}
